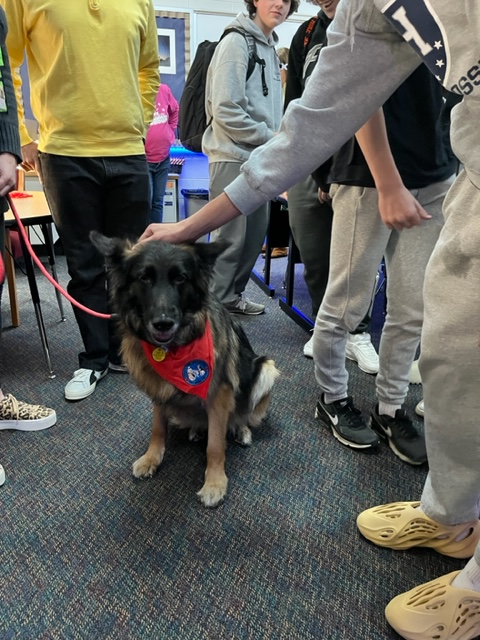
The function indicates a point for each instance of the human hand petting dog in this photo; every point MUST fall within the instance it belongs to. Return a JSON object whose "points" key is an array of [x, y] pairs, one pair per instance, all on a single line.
{"points": [[213, 215]]}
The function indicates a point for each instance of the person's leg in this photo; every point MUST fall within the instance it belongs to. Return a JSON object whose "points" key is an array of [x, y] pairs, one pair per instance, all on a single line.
{"points": [[158, 179], [127, 208], [406, 258], [358, 242], [234, 233], [446, 608], [256, 229], [2, 257], [311, 225], [74, 188], [151, 175], [450, 352], [447, 518]]}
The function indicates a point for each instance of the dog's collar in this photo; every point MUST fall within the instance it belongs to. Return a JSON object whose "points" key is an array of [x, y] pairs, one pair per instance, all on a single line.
{"points": [[189, 367]]}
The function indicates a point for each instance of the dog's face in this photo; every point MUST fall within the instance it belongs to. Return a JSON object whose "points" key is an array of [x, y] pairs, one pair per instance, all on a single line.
{"points": [[156, 287]]}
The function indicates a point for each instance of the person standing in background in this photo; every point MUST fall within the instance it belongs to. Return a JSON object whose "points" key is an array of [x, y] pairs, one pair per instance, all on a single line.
{"points": [[243, 114], [276, 222], [309, 207], [14, 414], [93, 112], [281, 252], [160, 137]]}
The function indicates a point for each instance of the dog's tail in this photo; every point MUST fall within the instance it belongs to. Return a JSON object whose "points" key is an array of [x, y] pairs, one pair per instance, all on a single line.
{"points": [[266, 374]]}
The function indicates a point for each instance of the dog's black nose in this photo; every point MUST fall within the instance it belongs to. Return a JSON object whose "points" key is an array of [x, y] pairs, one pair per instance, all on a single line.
{"points": [[164, 324]]}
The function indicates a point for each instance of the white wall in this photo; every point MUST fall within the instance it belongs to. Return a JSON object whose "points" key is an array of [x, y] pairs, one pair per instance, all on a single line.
{"points": [[209, 18]]}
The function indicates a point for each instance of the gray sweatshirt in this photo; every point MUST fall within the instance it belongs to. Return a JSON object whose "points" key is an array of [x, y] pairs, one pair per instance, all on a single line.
{"points": [[373, 46], [243, 118]]}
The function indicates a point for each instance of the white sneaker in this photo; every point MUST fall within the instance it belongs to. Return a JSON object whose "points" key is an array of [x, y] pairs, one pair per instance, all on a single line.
{"points": [[414, 376], [2, 475], [361, 350], [83, 383], [244, 306], [420, 409], [15, 414], [308, 348]]}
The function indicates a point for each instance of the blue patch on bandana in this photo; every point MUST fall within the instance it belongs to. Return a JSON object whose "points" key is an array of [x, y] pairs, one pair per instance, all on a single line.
{"points": [[195, 372]]}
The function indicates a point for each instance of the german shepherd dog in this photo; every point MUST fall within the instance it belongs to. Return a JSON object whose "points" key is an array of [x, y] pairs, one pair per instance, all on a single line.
{"points": [[185, 351]]}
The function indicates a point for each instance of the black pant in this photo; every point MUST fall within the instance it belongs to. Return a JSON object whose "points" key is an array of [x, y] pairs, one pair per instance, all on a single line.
{"points": [[107, 194]]}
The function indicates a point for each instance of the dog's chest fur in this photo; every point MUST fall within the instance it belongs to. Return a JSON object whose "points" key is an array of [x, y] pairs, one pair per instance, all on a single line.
{"points": [[156, 387]]}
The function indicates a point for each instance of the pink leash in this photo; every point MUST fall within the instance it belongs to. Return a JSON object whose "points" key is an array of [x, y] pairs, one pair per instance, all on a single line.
{"points": [[21, 228]]}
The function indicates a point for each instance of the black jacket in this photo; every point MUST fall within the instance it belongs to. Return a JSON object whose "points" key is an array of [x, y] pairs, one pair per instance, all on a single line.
{"points": [[302, 59], [298, 72], [417, 122]]}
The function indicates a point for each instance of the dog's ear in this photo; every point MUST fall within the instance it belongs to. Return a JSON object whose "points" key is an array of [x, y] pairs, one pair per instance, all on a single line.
{"points": [[208, 252], [112, 248]]}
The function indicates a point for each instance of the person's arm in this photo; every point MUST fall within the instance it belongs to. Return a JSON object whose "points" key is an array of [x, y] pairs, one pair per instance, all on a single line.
{"points": [[346, 87], [148, 74], [16, 44], [213, 215], [10, 154], [398, 208], [173, 109]]}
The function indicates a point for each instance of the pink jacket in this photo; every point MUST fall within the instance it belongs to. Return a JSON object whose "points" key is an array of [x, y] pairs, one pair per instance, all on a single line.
{"points": [[161, 132]]}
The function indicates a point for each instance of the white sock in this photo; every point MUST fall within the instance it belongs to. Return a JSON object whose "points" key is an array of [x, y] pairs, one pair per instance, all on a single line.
{"points": [[461, 536], [469, 577], [330, 399], [385, 409]]}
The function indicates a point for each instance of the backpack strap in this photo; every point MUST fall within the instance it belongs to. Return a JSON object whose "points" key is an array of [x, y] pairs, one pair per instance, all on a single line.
{"points": [[253, 57], [308, 34]]}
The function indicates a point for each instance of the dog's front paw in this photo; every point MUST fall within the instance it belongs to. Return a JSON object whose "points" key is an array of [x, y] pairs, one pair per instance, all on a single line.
{"points": [[212, 493], [146, 466], [243, 436], [196, 434]]}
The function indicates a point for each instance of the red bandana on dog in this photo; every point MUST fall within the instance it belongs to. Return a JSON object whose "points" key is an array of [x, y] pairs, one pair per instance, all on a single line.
{"points": [[189, 368]]}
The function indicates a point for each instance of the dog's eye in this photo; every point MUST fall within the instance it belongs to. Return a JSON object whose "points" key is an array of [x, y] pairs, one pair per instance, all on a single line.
{"points": [[145, 277], [180, 279]]}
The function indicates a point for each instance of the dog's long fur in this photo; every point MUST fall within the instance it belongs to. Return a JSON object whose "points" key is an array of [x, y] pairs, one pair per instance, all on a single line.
{"points": [[160, 293]]}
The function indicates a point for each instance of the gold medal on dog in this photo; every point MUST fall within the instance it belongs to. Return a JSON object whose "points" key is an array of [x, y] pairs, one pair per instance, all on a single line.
{"points": [[159, 354]]}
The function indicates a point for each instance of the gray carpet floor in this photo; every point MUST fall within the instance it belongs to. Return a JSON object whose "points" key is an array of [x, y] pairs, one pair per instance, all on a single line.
{"points": [[88, 552]]}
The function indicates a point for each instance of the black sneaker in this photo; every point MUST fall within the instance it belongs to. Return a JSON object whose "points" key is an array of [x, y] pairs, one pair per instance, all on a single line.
{"points": [[346, 423], [403, 438]]}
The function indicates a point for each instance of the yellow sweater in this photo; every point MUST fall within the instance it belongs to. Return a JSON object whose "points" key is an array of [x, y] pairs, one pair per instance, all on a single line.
{"points": [[93, 69]]}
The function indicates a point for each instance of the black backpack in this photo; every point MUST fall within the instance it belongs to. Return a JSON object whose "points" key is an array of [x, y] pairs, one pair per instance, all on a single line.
{"points": [[192, 119]]}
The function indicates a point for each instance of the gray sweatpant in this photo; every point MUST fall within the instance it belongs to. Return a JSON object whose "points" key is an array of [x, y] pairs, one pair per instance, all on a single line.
{"points": [[245, 235], [450, 362], [359, 241]]}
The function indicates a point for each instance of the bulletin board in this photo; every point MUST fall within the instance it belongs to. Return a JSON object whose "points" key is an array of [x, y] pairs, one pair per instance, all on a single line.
{"points": [[173, 29]]}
